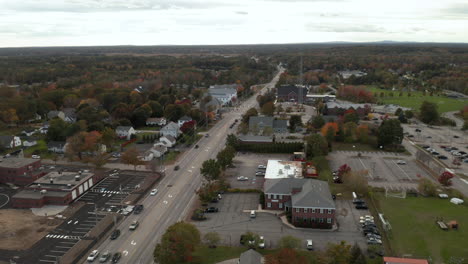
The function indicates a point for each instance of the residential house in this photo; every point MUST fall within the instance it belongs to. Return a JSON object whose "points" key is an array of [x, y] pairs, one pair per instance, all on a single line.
{"points": [[69, 115], [156, 121], [212, 106], [57, 146], [292, 93], [251, 257], [183, 119], [259, 123], [29, 141], [56, 114], [125, 132], [147, 156], [309, 201], [339, 108], [140, 89], [29, 132], [10, 141], [227, 93], [172, 129], [158, 150], [168, 141], [36, 117], [346, 74]]}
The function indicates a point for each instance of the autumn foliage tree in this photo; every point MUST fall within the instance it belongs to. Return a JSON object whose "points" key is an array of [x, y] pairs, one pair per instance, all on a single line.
{"points": [[130, 157], [177, 244], [355, 94], [446, 178], [328, 125]]}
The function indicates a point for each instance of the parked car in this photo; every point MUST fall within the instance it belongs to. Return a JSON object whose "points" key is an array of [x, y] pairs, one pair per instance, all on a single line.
{"points": [[116, 257], [133, 225], [93, 256], [35, 156], [401, 162], [259, 173], [242, 178], [337, 179], [196, 146], [455, 136], [154, 192], [309, 244], [138, 209], [115, 234], [207, 135], [361, 206], [211, 210], [358, 201], [442, 157], [374, 241], [104, 257], [176, 167], [261, 167], [261, 243]]}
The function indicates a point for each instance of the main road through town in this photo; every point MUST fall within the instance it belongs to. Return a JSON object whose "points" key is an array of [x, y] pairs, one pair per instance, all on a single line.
{"points": [[176, 193]]}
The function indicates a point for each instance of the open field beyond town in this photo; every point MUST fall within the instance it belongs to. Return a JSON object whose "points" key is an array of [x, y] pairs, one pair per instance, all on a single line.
{"points": [[444, 103], [415, 232]]}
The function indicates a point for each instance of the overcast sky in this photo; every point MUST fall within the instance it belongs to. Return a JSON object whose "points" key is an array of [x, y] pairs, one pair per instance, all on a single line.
{"points": [[188, 22]]}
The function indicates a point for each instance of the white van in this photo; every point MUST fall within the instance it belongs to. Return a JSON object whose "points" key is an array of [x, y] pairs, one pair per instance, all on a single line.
{"points": [[309, 244], [252, 214]]}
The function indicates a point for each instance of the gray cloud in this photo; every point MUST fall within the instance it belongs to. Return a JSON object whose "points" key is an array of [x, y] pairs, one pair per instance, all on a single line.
{"points": [[242, 13], [457, 9]]}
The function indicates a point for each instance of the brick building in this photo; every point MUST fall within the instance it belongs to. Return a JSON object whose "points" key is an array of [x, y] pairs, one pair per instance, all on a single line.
{"points": [[339, 108], [309, 201], [19, 171], [56, 188]]}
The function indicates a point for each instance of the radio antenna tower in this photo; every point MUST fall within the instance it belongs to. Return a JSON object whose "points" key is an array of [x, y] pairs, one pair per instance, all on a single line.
{"points": [[300, 99]]}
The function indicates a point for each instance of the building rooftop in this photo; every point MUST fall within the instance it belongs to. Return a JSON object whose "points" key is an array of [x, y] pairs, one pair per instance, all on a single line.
{"points": [[277, 169], [252, 138], [36, 194], [16, 162], [315, 193], [61, 180]]}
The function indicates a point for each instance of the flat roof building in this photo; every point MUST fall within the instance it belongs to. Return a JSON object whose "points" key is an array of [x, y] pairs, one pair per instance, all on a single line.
{"points": [[19, 171], [278, 169], [58, 188]]}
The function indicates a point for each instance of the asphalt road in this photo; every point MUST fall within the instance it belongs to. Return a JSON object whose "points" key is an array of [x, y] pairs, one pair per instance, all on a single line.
{"points": [[176, 194]]}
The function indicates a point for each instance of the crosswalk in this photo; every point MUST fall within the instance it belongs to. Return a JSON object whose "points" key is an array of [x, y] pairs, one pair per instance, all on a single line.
{"points": [[108, 192], [63, 237]]}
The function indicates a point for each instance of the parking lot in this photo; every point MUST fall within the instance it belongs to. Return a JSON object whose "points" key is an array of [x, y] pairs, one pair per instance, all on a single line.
{"points": [[232, 220], [245, 164], [382, 167], [106, 196]]}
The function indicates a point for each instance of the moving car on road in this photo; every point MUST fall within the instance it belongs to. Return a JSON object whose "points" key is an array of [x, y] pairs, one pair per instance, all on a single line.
{"points": [[115, 234], [93, 256], [133, 225], [154, 192], [242, 178], [211, 210], [116, 257], [104, 257]]}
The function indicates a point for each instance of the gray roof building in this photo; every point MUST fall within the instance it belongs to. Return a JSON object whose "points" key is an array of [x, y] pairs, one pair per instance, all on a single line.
{"points": [[262, 122]]}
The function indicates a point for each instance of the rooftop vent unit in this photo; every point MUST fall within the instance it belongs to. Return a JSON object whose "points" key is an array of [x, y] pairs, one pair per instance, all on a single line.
{"points": [[280, 172], [69, 185], [77, 178], [43, 191], [51, 181]]}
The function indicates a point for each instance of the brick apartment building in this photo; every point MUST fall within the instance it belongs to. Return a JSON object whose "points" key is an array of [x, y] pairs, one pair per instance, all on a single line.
{"points": [[56, 188], [309, 201], [20, 171]]}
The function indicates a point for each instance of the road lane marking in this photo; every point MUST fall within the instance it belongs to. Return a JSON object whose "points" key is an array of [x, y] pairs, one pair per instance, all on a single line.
{"points": [[165, 202], [125, 252], [465, 181], [133, 242], [170, 196]]}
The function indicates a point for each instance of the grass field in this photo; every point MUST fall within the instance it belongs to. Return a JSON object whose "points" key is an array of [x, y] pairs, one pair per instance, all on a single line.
{"points": [[203, 254], [444, 103], [414, 230]]}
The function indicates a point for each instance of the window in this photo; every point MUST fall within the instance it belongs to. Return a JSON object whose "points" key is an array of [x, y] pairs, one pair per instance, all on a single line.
{"points": [[329, 220], [305, 210], [269, 205], [298, 210], [313, 210], [329, 211], [280, 205], [321, 211], [280, 197], [321, 220], [313, 219], [274, 196], [298, 218], [305, 219]]}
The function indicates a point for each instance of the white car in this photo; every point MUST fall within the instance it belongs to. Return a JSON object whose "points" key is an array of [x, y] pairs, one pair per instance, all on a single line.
{"points": [[261, 244], [93, 256], [401, 162], [242, 178], [35, 156], [261, 167], [154, 192]]}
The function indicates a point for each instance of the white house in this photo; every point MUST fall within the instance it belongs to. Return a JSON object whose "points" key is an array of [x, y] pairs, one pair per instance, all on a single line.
{"points": [[125, 131], [156, 121], [69, 115], [171, 129], [57, 146], [183, 119], [29, 142], [10, 141], [147, 156], [158, 150], [28, 132], [168, 141], [55, 114], [226, 93]]}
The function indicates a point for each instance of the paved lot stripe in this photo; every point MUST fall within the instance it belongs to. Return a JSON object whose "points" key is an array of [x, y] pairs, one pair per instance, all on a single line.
{"points": [[48, 261]]}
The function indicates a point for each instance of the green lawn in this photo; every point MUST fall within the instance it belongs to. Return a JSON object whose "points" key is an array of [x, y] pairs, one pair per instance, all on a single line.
{"points": [[170, 157], [206, 255], [414, 230], [444, 103]]}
